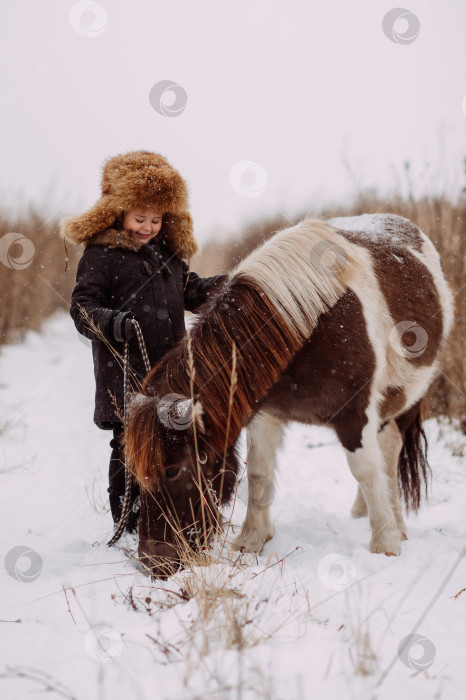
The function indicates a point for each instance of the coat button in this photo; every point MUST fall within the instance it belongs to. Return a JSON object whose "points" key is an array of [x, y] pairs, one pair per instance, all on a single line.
{"points": [[147, 267]]}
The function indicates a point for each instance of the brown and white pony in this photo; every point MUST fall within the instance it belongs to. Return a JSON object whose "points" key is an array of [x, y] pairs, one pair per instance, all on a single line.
{"points": [[338, 323]]}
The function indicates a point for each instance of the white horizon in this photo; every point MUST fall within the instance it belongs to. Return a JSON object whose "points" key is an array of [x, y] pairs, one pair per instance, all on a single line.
{"points": [[280, 109]]}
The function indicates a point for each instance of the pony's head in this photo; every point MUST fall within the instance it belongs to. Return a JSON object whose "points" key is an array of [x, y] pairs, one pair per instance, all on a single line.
{"points": [[183, 479]]}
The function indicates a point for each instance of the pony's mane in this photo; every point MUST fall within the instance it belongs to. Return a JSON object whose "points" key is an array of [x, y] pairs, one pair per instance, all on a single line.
{"points": [[267, 310], [268, 348]]}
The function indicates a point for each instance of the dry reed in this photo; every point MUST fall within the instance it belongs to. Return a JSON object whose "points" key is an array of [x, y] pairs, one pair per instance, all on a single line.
{"points": [[34, 289], [31, 294]]}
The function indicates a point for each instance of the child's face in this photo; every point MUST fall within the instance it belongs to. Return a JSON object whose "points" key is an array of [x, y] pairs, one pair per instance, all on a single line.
{"points": [[142, 225]]}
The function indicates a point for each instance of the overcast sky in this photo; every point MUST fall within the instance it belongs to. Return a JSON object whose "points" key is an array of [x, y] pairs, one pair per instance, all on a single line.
{"points": [[273, 99]]}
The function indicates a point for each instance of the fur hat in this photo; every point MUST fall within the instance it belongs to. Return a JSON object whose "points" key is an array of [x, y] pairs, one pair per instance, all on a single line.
{"points": [[136, 180]]}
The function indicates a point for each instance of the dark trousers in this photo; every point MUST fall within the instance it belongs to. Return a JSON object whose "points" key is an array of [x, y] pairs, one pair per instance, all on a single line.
{"points": [[116, 480]]}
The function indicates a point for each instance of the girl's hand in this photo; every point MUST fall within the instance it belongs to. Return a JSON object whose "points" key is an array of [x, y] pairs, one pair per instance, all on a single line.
{"points": [[122, 326]]}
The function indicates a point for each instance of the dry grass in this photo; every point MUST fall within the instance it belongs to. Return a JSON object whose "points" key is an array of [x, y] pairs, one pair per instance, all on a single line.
{"points": [[30, 295], [218, 607], [97, 501], [226, 614], [226, 610]]}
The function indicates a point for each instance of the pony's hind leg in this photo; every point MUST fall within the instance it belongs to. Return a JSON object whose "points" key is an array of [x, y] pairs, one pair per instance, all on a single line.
{"points": [[359, 507], [391, 443], [264, 435], [367, 464]]}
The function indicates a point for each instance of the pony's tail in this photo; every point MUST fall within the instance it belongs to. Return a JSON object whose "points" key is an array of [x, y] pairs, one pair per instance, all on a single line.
{"points": [[413, 467]]}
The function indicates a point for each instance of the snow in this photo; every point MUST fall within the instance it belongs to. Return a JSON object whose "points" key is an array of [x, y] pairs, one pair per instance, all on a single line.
{"points": [[321, 616], [374, 226]]}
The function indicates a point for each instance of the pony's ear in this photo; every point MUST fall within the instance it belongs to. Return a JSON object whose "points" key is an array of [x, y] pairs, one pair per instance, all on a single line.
{"points": [[179, 413], [198, 413]]}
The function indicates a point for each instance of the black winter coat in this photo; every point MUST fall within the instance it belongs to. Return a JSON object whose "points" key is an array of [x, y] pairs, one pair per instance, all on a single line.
{"points": [[151, 282]]}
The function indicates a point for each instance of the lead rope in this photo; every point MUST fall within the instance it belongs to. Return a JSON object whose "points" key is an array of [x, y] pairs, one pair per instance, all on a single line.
{"points": [[127, 505]]}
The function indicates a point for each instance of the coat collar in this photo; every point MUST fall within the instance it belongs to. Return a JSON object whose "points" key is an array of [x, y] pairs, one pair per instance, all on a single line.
{"points": [[177, 232], [114, 238]]}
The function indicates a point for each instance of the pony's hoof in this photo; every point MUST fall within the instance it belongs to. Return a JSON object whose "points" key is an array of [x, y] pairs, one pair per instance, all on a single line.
{"points": [[389, 544], [251, 542]]}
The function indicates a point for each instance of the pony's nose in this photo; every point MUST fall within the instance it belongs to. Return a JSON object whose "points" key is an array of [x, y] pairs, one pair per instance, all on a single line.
{"points": [[160, 558]]}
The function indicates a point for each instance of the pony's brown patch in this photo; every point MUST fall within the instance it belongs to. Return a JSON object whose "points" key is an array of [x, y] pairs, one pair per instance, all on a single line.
{"points": [[408, 287], [329, 380], [394, 400]]}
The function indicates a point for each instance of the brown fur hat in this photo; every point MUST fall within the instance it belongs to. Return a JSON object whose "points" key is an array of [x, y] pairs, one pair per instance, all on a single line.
{"points": [[136, 180]]}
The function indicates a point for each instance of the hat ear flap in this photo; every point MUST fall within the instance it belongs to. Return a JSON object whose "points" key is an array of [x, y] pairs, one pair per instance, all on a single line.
{"points": [[178, 233], [80, 228]]}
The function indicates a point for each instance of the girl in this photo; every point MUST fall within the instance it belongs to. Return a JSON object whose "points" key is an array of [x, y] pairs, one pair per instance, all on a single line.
{"points": [[134, 240]]}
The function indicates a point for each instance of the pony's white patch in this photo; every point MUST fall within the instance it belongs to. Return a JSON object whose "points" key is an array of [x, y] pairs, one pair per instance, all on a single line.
{"points": [[431, 259], [303, 270]]}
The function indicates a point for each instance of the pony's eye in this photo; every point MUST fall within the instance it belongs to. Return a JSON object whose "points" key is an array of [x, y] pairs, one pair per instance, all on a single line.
{"points": [[172, 472], [202, 457]]}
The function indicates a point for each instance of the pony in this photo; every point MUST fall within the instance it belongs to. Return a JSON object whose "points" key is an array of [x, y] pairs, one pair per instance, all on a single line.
{"points": [[337, 322]]}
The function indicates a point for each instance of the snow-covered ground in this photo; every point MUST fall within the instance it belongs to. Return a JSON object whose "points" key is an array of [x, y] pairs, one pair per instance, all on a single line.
{"points": [[315, 616]]}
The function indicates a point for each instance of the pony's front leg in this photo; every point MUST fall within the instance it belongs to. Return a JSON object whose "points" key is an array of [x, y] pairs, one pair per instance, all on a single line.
{"points": [[264, 435], [368, 467]]}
